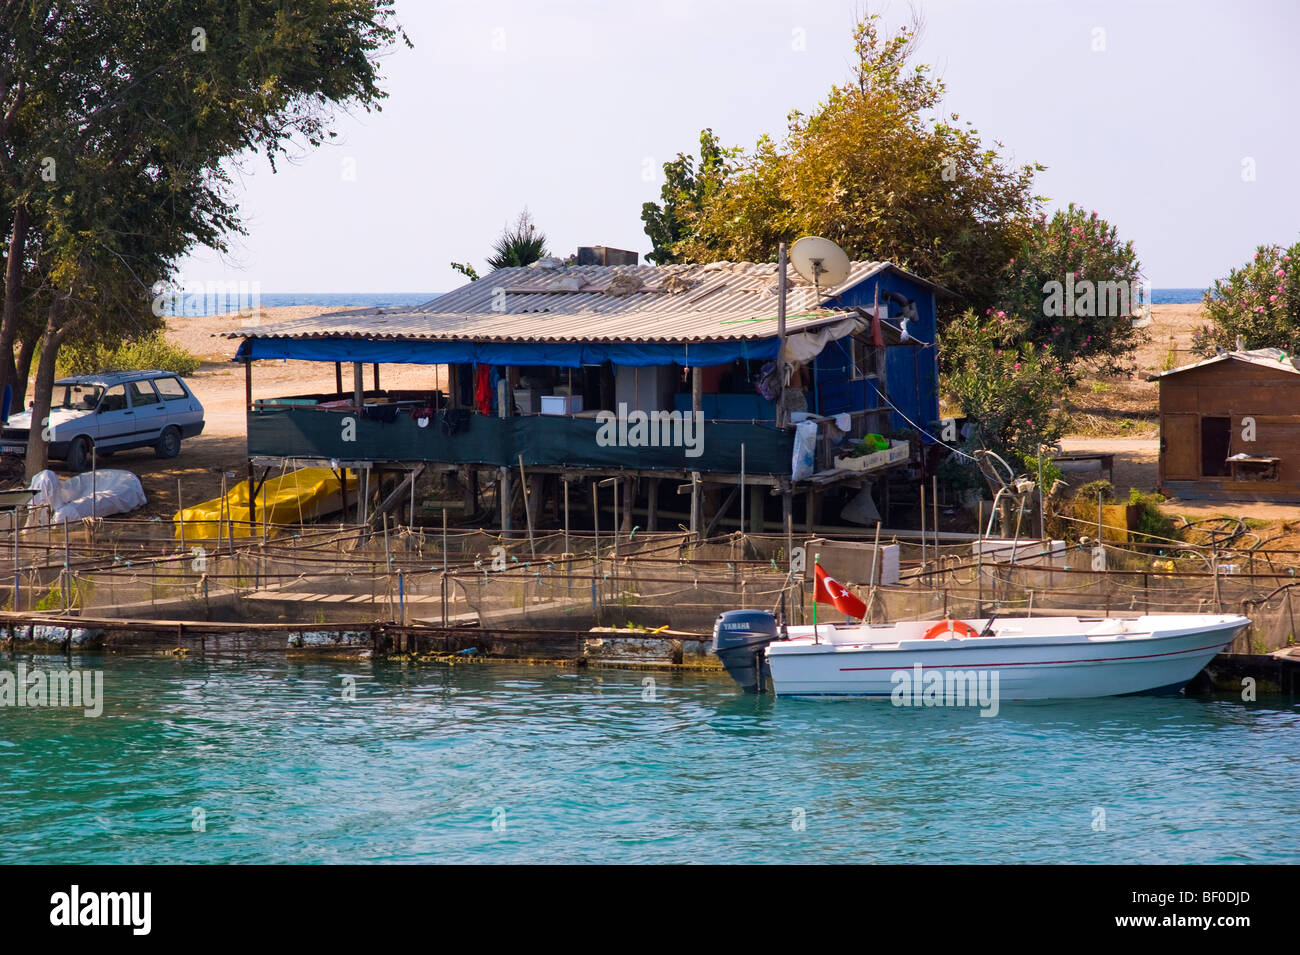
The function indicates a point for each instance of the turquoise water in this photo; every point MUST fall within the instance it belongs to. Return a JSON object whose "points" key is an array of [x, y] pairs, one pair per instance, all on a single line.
{"points": [[576, 766]]}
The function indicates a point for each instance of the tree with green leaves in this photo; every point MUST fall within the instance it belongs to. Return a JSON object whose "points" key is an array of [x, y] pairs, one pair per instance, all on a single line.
{"points": [[1075, 285], [117, 128], [685, 190], [1257, 304], [1009, 387], [518, 244], [876, 167]]}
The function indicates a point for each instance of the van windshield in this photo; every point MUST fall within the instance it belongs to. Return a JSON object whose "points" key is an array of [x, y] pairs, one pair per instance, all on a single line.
{"points": [[79, 397]]}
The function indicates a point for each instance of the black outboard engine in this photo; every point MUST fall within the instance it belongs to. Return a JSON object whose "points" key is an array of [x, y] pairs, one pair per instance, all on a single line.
{"points": [[739, 639]]}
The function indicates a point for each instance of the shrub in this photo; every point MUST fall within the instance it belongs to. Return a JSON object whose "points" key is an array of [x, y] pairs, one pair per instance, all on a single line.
{"points": [[1007, 387], [1154, 525], [1087, 493], [1259, 303], [150, 351], [1070, 248]]}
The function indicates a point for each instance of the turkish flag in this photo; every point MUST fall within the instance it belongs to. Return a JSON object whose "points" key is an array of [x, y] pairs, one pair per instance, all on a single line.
{"points": [[828, 590]]}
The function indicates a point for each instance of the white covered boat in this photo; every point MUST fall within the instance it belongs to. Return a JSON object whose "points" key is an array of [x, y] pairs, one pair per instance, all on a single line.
{"points": [[1009, 658]]}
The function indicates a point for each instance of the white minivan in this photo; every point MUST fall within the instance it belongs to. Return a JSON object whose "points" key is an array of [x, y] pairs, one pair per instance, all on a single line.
{"points": [[111, 412]]}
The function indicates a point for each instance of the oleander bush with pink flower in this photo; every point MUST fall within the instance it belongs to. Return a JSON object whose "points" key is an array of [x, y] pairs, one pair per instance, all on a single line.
{"points": [[1078, 246], [1258, 303], [1009, 388]]}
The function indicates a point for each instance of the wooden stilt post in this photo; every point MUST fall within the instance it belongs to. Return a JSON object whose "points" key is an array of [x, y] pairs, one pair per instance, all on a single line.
{"points": [[252, 501], [338, 378], [922, 528], [67, 568], [503, 492], [934, 503], [363, 497], [652, 505], [756, 503], [629, 497], [787, 518], [741, 490], [222, 512], [469, 491], [248, 410], [17, 564], [695, 504]]}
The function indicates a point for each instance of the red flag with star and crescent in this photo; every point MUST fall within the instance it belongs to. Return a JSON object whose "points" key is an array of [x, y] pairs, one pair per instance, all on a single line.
{"points": [[828, 590]]}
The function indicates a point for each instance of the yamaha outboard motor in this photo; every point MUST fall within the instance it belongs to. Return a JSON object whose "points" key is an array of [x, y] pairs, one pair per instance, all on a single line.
{"points": [[740, 638]]}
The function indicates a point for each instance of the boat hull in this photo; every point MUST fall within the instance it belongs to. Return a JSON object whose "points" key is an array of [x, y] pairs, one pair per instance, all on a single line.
{"points": [[1061, 666]]}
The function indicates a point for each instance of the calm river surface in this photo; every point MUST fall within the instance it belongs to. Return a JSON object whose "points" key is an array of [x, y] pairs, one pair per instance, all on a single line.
{"points": [[490, 763]]}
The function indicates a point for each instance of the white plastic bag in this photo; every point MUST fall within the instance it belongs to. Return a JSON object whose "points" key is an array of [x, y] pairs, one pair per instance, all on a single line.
{"points": [[805, 449]]}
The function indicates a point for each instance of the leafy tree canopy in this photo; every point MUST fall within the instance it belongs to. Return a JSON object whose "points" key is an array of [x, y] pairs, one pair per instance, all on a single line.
{"points": [[875, 167], [118, 125]]}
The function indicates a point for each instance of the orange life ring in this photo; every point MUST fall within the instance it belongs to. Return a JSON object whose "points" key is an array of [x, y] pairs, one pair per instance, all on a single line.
{"points": [[950, 627]]}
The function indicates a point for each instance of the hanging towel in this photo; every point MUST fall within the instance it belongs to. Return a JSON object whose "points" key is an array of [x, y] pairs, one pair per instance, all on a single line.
{"points": [[483, 389]]}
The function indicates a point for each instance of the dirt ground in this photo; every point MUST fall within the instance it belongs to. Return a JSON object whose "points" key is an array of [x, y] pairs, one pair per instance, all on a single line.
{"points": [[1124, 406]]}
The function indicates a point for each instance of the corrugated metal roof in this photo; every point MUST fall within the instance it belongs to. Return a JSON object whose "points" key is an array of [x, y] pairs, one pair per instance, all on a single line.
{"points": [[547, 302], [1266, 357]]}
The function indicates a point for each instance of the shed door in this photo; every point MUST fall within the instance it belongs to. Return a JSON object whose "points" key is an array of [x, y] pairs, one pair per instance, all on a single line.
{"points": [[1180, 447]]}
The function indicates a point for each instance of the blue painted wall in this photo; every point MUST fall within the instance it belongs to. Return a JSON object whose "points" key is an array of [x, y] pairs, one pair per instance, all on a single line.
{"points": [[912, 372]]}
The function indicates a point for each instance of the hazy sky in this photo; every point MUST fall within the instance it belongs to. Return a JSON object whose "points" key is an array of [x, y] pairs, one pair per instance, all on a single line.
{"points": [[569, 107]]}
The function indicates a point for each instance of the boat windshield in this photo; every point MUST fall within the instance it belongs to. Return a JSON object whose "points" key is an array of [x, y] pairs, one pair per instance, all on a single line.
{"points": [[80, 397]]}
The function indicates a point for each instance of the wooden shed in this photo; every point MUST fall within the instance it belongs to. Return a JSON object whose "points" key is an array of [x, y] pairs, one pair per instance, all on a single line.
{"points": [[1230, 428]]}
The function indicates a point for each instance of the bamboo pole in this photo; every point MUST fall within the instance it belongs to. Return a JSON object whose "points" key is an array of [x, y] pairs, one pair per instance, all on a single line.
{"points": [[922, 528], [875, 564], [934, 503], [528, 507], [17, 563], [67, 567]]}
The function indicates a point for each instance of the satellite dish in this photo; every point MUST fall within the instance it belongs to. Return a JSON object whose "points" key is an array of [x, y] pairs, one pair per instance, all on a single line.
{"points": [[820, 261]]}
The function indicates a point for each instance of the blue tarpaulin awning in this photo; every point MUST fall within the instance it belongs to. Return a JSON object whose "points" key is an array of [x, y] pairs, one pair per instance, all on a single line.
{"points": [[558, 354]]}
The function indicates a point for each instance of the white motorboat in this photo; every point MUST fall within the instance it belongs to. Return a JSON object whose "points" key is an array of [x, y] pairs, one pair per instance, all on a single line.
{"points": [[1009, 658]]}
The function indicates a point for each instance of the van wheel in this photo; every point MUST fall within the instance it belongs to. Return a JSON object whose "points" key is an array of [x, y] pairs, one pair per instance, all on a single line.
{"points": [[169, 443], [79, 454]]}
